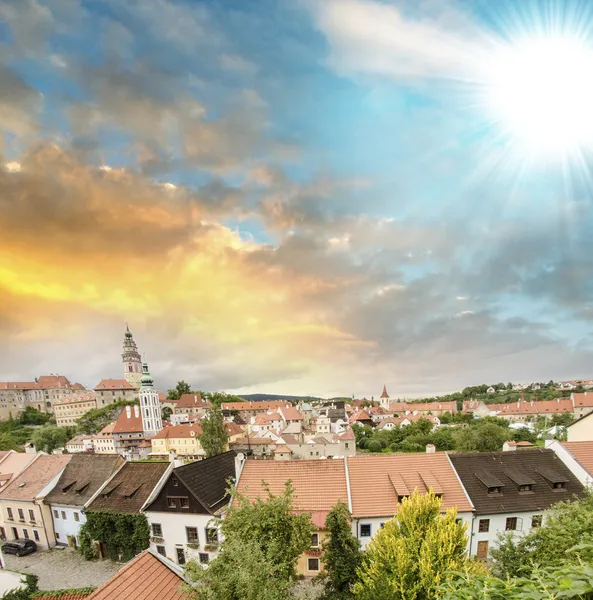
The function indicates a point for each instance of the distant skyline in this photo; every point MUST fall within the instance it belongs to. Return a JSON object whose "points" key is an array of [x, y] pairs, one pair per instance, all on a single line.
{"points": [[316, 198]]}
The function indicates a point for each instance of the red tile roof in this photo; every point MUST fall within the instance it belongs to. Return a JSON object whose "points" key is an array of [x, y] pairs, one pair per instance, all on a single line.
{"points": [[114, 384], [360, 416], [584, 399], [76, 398], [186, 430], [232, 428], [131, 424], [583, 454], [384, 394], [348, 435], [257, 406], [265, 418], [46, 382], [16, 385], [146, 577], [559, 405], [193, 400], [30, 483], [290, 413]]}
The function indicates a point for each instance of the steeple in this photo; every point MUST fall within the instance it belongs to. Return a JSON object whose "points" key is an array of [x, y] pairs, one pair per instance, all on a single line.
{"points": [[384, 394], [150, 405], [384, 398], [131, 359]]}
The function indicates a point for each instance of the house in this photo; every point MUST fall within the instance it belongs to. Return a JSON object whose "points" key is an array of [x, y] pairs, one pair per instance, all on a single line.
{"points": [[252, 446], [233, 430], [80, 443], [189, 407], [183, 440], [582, 403], [577, 456], [360, 417], [378, 483], [70, 408], [109, 391], [318, 485], [291, 416], [510, 491], [82, 478], [490, 390], [103, 442], [250, 409], [321, 446], [268, 421], [433, 408], [520, 410], [146, 577], [54, 388], [322, 424], [393, 423], [128, 433], [22, 511], [16, 396], [581, 430], [12, 463], [477, 407], [184, 510]]}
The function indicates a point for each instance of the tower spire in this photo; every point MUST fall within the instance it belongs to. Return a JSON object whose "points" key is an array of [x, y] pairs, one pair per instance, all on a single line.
{"points": [[150, 405], [131, 360]]}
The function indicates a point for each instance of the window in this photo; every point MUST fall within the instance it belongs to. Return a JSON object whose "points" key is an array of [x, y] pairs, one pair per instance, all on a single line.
{"points": [[204, 558], [26, 533], [56, 514], [536, 520], [175, 482], [560, 485], [511, 524], [9, 511], [184, 502], [315, 540], [171, 502], [494, 490], [211, 535], [313, 564], [76, 517], [192, 535], [21, 514], [63, 515], [346, 444], [161, 550], [31, 514], [157, 530], [57, 536], [484, 525], [180, 556], [36, 535], [526, 488], [365, 530]]}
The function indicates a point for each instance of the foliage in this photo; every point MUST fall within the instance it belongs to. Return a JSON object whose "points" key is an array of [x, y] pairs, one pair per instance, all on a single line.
{"points": [[124, 535], [65, 592], [341, 554], [414, 553], [181, 388], [374, 446], [166, 413], [9, 442], [241, 572], [32, 416], [484, 437], [98, 418], [548, 545], [217, 398], [49, 437], [214, 438], [524, 434], [26, 593], [562, 419]]}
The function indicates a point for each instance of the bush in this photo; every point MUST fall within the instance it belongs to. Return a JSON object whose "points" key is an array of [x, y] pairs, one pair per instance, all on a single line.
{"points": [[374, 446]]}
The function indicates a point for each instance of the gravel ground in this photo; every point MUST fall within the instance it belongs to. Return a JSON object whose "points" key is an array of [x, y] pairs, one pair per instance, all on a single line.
{"points": [[62, 569]]}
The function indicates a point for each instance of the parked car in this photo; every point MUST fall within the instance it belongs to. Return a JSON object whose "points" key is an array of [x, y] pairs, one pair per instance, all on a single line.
{"points": [[19, 547]]}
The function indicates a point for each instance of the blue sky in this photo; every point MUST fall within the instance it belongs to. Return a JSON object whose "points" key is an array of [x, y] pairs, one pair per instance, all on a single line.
{"points": [[344, 208]]}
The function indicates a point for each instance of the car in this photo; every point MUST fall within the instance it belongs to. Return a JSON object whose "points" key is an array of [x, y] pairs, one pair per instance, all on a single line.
{"points": [[19, 547]]}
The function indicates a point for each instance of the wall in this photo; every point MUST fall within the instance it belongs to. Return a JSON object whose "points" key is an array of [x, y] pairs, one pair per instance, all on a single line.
{"points": [[303, 560], [68, 526], [582, 431], [32, 526]]}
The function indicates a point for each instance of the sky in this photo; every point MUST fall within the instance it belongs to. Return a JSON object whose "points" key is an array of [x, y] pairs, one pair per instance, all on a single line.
{"points": [[293, 196]]}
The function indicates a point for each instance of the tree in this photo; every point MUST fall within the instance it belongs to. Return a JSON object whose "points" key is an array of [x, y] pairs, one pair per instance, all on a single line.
{"points": [[8, 442], [166, 413], [341, 555], [524, 434], [96, 419], [484, 437], [181, 388], [217, 398], [214, 438], [374, 446], [562, 419], [414, 553], [50, 437], [32, 416]]}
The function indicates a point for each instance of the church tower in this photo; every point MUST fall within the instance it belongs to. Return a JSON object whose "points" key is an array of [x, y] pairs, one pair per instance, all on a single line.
{"points": [[150, 405], [131, 359], [384, 398]]}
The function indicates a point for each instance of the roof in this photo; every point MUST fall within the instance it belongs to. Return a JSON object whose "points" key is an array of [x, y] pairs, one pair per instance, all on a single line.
{"points": [[360, 416], [583, 399], [18, 385], [46, 382], [114, 384], [384, 394], [30, 483], [130, 487], [232, 428], [559, 405], [257, 406], [107, 430], [146, 577], [265, 418], [78, 440], [131, 424], [75, 398], [186, 430], [347, 436], [582, 453], [13, 463], [376, 482], [290, 413], [192, 400], [318, 484], [252, 441], [79, 387], [481, 470], [208, 480], [82, 478]]}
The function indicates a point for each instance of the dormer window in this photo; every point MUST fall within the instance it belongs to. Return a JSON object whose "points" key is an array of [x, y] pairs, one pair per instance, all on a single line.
{"points": [[494, 490], [526, 488], [559, 485]]}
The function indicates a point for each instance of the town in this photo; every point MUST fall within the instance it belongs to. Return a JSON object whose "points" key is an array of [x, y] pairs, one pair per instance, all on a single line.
{"points": [[164, 467]]}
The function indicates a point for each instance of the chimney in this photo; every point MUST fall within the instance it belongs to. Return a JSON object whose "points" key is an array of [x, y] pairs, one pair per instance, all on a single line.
{"points": [[557, 400], [532, 402], [239, 462], [128, 411], [509, 446], [430, 449], [136, 411]]}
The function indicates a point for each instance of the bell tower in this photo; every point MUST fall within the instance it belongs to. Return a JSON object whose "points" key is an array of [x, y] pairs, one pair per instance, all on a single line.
{"points": [[150, 406], [131, 360]]}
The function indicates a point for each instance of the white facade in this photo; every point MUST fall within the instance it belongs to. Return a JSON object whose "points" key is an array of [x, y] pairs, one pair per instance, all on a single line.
{"points": [[67, 522], [173, 543], [150, 405], [581, 430]]}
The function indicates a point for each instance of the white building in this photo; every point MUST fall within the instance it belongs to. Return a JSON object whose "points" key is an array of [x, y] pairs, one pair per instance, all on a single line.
{"points": [[150, 405], [184, 510], [577, 456]]}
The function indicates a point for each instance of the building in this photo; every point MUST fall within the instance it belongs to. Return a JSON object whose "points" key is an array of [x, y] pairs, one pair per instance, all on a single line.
{"points": [[103, 442], [318, 485], [150, 405], [146, 577], [266, 421], [510, 492], [22, 511], [16, 396], [128, 433], [109, 391], [184, 510], [54, 388], [582, 403], [250, 409], [577, 456], [426, 408], [360, 417], [78, 484], [80, 443], [131, 360], [188, 408], [70, 408], [322, 446], [581, 430], [384, 398], [181, 440], [521, 410], [253, 446]]}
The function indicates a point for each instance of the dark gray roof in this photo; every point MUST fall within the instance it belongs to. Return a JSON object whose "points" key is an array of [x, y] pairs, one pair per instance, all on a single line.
{"points": [[539, 468], [82, 477], [208, 479]]}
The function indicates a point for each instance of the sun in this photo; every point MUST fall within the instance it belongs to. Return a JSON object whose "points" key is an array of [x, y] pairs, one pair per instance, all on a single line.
{"points": [[539, 91]]}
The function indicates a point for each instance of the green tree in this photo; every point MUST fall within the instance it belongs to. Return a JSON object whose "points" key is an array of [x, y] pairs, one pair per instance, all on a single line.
{"points": [[483, 437], [96, 419], [414, 553], [166, 413], [561, 419], [341, 555], [32, 416], [217, 398], [50, 437], [181, 388], [214, 438], [374, 446], [9, 442]]}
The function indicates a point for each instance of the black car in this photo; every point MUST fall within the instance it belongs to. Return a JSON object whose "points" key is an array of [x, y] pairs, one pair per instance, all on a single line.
{"points": [[19, 547]]}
